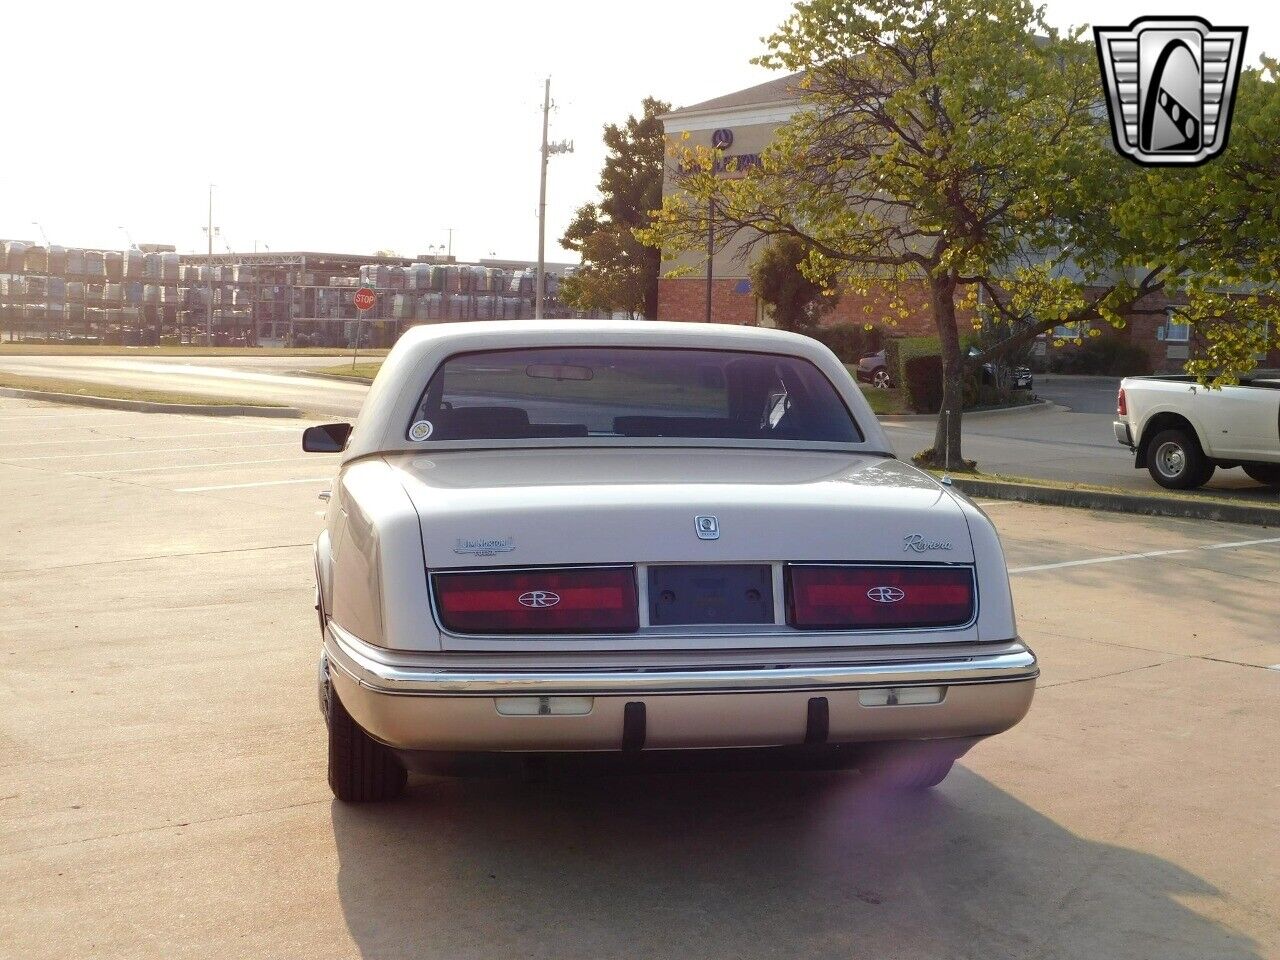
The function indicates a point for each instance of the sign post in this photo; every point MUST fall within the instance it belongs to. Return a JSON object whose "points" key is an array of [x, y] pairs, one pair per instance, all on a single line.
{"points": [[365, 300]]}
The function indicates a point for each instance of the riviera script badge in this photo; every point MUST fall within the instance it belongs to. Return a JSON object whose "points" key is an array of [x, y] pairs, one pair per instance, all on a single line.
{"points": [[920, 543]]}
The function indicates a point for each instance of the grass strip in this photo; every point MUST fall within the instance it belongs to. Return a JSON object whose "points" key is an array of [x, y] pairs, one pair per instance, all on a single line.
{"points": [[184, 350], [86, 388]]}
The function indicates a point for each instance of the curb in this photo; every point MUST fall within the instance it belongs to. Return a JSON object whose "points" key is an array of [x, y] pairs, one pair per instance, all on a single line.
{"points": [[149, 406], [349, 378], [1147, 505], [1039, 406]]}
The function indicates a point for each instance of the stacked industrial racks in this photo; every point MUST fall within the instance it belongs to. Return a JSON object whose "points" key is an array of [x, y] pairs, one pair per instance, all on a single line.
{"points": [[146, 296]]}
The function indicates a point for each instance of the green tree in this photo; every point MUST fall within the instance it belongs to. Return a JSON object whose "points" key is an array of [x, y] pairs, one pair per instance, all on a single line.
{"points": [[618, 271], [956, 147], [795, 301], [1207, 235]]}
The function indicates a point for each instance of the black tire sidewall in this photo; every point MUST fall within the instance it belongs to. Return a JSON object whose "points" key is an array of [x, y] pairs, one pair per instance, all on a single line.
{"points": [[1196, 469], [1265, 473]]}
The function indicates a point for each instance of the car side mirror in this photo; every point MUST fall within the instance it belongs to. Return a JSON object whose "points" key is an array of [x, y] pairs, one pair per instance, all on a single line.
{"points": [[326, 438]]}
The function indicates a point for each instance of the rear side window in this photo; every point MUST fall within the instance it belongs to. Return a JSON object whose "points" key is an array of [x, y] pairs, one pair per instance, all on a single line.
{"points": [[630, 392]]}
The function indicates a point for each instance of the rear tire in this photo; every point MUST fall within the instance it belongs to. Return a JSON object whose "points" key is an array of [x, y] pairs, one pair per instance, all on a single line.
{"points": [[361, 769], [1268, 473], [1175, 460], [880, 379]]}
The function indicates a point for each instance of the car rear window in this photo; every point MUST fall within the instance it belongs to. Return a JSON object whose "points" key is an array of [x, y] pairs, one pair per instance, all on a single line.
{"points": [[551, 392]]}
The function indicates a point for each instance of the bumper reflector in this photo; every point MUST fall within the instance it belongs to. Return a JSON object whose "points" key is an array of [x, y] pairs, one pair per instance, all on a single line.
{"points": [[900, 696], [544, 706]]}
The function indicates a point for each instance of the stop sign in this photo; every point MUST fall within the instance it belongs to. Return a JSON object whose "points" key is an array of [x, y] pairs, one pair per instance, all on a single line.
{"points": [[365, 299]]}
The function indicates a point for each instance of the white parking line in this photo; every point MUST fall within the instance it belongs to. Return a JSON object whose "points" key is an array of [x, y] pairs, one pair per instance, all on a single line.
{"points": [[261, 483], [1240, 543], [196, 466], [1143, 556]]}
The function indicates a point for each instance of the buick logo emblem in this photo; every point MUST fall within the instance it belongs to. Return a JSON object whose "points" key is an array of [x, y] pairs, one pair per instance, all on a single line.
{"points": [[885, 594], [708, 528], [539, 598]]}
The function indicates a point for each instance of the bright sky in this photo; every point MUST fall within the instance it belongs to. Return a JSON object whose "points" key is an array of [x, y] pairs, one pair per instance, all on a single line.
{"points": [[339, 127]]}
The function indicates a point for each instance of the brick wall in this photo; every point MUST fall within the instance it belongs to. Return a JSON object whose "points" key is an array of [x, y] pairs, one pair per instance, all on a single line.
{"points": [[686, 299]]}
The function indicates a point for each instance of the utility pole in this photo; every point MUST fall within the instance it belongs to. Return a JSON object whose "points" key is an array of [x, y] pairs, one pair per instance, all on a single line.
{"points": [[449, 252], [564, 146], [542, 206], [711, 251], [208, 277]]}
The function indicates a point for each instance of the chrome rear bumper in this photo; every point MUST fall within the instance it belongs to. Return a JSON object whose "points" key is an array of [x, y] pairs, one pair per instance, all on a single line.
{"points": [[434, 708], [1123, 435]]}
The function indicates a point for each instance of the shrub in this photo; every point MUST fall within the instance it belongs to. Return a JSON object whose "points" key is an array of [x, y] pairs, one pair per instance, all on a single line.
{"points": [[922, 382], [1102, 356], [898, 350]]}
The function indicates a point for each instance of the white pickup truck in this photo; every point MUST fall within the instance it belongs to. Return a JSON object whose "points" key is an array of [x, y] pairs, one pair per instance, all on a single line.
{"points": [[1182, 431]]}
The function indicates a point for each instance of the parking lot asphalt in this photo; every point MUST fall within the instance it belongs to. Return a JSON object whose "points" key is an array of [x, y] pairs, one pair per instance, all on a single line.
{"points": [[162, 786]]}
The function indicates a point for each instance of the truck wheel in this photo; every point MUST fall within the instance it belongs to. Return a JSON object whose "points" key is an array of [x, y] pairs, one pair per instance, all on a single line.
{"points": [[1175, 460], [898, 770], [1268, 473], [360, 768]]}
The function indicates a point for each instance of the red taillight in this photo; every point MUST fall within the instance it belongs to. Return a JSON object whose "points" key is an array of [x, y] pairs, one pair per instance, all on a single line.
{"points": [[1122, 408], [868, 598], [590, 600]]}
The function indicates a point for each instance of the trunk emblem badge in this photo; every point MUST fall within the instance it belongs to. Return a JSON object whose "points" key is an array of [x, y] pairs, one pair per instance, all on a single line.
{"points": [[486, 547], [708, 528], [919, 543], [885, 594], [539, 598]]}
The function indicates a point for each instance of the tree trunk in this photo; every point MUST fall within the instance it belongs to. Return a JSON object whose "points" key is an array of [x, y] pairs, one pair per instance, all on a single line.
{"points": [[946, 441]]}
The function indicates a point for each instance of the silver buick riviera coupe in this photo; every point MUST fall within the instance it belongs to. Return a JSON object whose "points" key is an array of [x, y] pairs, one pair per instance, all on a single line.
{"points": [[572, 537]]}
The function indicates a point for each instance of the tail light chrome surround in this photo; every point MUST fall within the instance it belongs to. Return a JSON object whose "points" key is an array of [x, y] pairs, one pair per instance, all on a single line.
{"points": [[871, 596], [538, 600]]}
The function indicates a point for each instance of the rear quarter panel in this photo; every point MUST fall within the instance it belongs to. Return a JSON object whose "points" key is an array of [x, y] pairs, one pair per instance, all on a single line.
{"points": [[379, 583]]}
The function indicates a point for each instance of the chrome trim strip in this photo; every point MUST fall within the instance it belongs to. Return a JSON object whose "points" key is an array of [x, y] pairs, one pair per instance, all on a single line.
{"points": [[345, 654]]}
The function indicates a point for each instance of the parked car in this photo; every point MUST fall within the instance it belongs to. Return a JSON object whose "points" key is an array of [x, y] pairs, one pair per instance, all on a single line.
{"points": [[635, 537], [1181, 431], [873, 369]]}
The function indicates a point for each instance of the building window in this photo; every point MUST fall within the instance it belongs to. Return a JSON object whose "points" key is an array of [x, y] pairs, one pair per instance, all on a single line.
{"points": [[1176, 327], [1071, 331]]}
